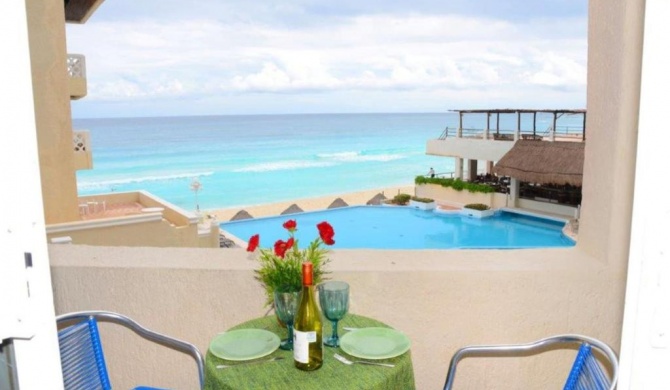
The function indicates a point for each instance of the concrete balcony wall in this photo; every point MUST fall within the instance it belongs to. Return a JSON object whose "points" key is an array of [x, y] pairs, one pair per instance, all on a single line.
{"points": [[176, 215], [83, 155], [76, 70], [470, 148], [546, 207], [442, 300], [139, 230], [170, 227]]}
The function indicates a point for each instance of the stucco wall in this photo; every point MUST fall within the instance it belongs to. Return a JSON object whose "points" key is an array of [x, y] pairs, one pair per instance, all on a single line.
{"points": [[443, 300], [158, 232], [613, 90], [46, 32]]}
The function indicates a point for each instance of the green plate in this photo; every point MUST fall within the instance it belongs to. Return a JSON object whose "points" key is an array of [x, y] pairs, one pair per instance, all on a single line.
{"points": [[375, 343], [244, 344]]}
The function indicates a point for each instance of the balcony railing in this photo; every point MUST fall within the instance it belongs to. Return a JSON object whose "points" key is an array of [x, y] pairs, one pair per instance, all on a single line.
{"points": [[76, 66], [76, 71], [560, 133]]}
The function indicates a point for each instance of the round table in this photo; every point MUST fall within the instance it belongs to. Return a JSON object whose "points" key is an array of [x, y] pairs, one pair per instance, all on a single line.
{"points": [[333, 375]]}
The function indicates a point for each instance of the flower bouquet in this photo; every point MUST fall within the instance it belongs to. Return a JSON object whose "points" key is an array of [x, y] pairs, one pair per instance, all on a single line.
{"points": [[281, 267]]}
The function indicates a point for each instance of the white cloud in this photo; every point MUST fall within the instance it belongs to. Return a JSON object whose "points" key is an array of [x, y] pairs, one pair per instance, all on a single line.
{"points": [[436, 55]]}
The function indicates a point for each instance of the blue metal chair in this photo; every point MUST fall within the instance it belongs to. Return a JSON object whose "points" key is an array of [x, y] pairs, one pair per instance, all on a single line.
{"points": [[82, 359], [586, 372]]}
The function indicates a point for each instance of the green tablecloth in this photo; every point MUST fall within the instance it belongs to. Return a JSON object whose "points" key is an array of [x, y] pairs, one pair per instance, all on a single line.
{"points": [[333, 375]]}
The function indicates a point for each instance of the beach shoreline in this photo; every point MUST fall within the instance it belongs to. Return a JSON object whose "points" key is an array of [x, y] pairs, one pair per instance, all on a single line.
{"points": [[308, 204]]}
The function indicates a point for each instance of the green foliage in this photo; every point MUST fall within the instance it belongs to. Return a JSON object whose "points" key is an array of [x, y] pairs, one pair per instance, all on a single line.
{"points": [[401, 199], [477, 206], [456, 184], [422, 200], [277, 274]]}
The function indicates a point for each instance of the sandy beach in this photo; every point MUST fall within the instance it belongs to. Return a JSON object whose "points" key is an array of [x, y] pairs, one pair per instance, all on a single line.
{"points": [[309, 204]]}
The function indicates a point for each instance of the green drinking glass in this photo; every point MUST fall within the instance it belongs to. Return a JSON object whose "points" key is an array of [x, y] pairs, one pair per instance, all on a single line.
{"points": [[334, 300], [286, 306]]}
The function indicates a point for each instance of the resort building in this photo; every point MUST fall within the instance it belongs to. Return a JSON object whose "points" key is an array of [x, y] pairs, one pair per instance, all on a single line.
{"points": [[613, 285], [525, 172]]}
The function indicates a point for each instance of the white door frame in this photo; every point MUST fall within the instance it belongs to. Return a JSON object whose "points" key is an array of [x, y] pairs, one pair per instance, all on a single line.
{"points": [[645, 340], [26, 298]]}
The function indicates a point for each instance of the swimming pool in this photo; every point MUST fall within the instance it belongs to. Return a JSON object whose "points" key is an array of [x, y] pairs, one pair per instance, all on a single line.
{"points": [[379, 227]]}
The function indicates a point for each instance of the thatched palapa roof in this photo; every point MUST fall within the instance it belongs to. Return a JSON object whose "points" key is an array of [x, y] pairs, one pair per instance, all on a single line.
{"points": [[544, 162], [376, 200]]}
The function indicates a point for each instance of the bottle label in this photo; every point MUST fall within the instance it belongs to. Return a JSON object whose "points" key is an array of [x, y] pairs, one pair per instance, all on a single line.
{"points": [[301, 342]]}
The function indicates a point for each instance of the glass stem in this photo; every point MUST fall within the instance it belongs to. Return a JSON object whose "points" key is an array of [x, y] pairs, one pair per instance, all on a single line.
{"points": [[334, 336], [290, 333]]}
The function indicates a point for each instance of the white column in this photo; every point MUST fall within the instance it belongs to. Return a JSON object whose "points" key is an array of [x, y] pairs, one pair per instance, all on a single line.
{"points": [[459, 168], [513, 192], [645, 341], [552, 133], [517, 132]]}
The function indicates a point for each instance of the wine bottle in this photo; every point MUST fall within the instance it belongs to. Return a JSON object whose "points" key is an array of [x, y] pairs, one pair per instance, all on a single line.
{"points": [[307, 328]]}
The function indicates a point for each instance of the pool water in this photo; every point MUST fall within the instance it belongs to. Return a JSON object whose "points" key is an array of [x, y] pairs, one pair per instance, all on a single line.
{"points": [[380, 227]]}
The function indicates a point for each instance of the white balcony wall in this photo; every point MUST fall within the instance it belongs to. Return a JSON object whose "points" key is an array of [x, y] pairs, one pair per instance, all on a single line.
{"points": [[76, 71], [470, 148], [443, 300]]}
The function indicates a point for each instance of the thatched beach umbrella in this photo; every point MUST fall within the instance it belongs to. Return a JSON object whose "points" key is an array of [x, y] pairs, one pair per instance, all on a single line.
{"points": [[292, 209], [240, 215], [377, 199], [339, 202], [544, 162]]}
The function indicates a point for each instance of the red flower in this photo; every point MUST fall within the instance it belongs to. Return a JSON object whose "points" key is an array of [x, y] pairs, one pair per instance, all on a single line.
{"points": [[290, 225], [253, 243], [326, 232], [281, 247]]}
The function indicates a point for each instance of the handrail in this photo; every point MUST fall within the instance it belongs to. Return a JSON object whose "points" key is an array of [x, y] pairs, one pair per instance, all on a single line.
{"points": [[532, 347], [475, 132], [148, 334]]}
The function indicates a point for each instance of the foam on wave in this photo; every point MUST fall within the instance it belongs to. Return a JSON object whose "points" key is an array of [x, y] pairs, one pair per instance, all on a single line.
{"points": [[359, 157], [283, 166], [133, 180]]}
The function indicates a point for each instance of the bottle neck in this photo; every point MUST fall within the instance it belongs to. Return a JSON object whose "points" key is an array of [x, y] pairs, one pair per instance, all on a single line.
{"points": [[307, 274]]}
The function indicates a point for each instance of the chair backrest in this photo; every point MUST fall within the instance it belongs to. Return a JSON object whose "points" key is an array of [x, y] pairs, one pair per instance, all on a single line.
{"points": [[80, 368], [586, 372], [81, 356]]}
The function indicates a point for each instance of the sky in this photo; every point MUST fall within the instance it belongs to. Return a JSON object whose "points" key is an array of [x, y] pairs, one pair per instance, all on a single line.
{"points": [[246, 57]]}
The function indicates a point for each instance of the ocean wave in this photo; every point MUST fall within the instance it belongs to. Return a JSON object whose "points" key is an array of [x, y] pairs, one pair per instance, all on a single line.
{"points": [[359, 157], [283, 166], [134, 180]]}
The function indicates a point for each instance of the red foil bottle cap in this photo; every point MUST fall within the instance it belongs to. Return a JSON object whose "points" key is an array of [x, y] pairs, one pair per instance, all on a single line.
{"points": [[307, 275]]}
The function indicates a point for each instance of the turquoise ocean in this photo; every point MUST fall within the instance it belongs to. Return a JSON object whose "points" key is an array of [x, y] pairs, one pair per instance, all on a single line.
{"points": [[255, 159]]}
